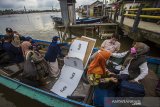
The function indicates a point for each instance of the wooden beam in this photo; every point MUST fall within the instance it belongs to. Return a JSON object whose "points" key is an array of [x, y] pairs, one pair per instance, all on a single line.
{"points": [[91, 25], [145, 9], [95, 24], [143, 16]]}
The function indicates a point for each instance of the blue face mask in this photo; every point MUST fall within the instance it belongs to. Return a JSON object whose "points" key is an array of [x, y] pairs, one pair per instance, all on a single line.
{"points": [[58, 41]]}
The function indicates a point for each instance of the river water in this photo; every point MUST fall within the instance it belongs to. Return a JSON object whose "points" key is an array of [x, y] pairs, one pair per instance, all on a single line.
{"points": [[37, 25]]}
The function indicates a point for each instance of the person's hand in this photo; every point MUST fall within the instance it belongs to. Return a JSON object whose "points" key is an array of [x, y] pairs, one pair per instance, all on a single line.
{"points": [[122, 68], [102, 80], [113, 80], [110, 73]]}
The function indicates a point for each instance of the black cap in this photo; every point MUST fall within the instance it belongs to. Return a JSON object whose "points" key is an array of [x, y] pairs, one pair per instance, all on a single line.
{"points": [[9, 30], [6, 37]]}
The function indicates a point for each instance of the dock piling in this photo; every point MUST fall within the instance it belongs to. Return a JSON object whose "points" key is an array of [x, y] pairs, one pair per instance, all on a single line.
{"points": [[137, 19]]}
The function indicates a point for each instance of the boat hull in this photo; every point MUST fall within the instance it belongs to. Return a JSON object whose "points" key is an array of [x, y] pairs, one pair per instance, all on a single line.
{"points": [[49, 99], [58, 20]]}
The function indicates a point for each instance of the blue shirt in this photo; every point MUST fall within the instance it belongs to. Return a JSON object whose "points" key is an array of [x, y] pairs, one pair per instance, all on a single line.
{"points": [[14, 53], [52, 52]]}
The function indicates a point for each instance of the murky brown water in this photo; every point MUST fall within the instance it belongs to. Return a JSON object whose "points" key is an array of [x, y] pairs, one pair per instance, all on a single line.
{"points": [[9, 98]]}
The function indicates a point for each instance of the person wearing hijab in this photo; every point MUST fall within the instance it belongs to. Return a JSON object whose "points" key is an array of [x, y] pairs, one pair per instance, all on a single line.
{"points": [[135, 65], [35, 45], [97, 72], [25, 47], [36, 69]]}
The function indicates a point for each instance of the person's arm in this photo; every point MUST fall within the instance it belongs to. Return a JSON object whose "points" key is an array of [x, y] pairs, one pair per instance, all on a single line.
{"points": [[143, 71], [119, 55], [59, 51], [118, 45], [105, 80], [103, 44]]}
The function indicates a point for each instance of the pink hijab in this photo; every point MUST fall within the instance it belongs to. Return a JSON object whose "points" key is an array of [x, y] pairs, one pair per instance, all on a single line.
{"points": [[25, 47]]}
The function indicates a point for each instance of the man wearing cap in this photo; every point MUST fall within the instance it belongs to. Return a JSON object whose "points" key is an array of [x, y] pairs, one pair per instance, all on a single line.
{"points": [[15, 36], [51, 56], [15, 53]]}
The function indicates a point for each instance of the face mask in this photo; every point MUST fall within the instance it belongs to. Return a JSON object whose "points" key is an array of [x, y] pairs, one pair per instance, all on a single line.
{"points": [[58, 41], [133, 50]]}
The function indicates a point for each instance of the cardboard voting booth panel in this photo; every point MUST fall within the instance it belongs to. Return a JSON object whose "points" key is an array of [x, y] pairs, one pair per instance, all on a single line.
{"points": [[91, 43], [67, 81], [73, 68], [78, 49]]}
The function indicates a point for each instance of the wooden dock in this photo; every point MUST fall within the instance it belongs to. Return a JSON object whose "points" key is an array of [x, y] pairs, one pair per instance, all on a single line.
{"points": [[148, 26], [146, 30], [91, 25]]}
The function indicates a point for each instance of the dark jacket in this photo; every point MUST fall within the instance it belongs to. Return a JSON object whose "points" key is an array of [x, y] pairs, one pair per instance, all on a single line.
{"points": [[134, 69], [15, 53], [53, 52]]}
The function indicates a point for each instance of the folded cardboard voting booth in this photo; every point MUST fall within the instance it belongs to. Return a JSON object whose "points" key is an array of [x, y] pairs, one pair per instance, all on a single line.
{"points": [[74, 65]]}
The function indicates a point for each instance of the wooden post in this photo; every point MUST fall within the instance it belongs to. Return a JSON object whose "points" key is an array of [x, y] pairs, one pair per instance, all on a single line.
{"points": [[72, 13], [98, 30], [116, 30], [137, 19], [105, 7], [84, 31], [122, 19], [115, 15], [102, 14], [70, 35], [64, 12], [111, 15], [108, 15], [92, 31]]}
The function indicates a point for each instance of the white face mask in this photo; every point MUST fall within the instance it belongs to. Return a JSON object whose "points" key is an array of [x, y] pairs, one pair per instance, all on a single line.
{"points": [[58, 41]]}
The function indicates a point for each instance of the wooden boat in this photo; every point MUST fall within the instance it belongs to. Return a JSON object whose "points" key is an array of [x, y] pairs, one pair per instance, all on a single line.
{"points": [[88, 20], [58, 20], [10, 75]]}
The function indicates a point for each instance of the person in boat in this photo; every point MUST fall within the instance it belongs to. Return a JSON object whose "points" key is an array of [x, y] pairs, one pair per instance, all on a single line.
{"points": [[15, 36], [14, 53], [4, 57], [1, 42], [36, 69], [26, 47], [111, 44], [97, 72], [35, 45], [134, 67], [51, 56]]}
